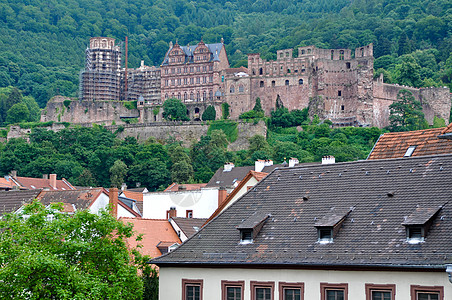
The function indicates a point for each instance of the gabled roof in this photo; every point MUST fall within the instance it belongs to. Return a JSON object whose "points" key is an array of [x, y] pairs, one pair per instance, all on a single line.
{"points": [[189, 225], [41, 183], [214, 51], [223, 178], [175, 187], [7, 184], [128, 205], [427, 142], [72, 200], [372, 235], [257, 175], [154, 232], [11, 201]]}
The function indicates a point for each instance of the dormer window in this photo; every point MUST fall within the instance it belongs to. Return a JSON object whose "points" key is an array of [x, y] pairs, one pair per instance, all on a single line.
{"points": [[250, 227], [329, 225], [418, 223]]}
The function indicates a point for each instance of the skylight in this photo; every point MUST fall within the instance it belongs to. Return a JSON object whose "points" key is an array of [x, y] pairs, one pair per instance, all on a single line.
{"points": [[409, 151]]}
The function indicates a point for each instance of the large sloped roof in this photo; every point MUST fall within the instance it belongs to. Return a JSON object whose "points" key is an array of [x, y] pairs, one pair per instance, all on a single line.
{"points": [[427, 141], [78, 199], [187, 225], [376, 197], [41, 183], [11, 201]]}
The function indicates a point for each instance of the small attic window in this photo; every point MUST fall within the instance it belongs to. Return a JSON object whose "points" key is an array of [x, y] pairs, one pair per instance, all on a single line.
{"points": [[250, 227], [418, 223], [329, 225], [409, 151]]}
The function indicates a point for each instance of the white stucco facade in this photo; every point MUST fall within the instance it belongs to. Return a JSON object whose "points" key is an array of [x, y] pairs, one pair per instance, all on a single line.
{"points": [[101, 203], [170, 283], [202, 202]]}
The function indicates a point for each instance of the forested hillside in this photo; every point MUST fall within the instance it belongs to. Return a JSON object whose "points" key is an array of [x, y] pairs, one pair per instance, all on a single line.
{"points": [[42, 42]]}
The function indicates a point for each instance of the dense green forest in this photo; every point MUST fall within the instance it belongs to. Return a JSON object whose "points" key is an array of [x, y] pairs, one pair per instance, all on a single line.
{"points": [[42, 43]]}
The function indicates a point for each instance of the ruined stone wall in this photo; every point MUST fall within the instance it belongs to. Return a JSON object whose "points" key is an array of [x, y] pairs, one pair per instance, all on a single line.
{"points": [[86, 111]]}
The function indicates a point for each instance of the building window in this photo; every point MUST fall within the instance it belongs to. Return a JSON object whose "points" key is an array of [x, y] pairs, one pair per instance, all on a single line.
{"points": [[347, 65], [191, 69], [325, 235], [262, 290], [260, 71], [300, 81], [261, 83], [287, 82], [409, 151], [232, 89], [241, 89], [192, 289], [333, 291], [246, 236], [342, 107], [427, 292], [198, 79], [380, 291], [339, 93], [232, 290], [291, 291], [198, 69], [341, 55], [332, 54], [273, 83], [189, 212]]}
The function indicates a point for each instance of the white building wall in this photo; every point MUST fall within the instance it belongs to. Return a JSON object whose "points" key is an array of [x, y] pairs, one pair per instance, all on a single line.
{"points": [[252, 182], [170, 282], [124, 213], [203, 203], [101, 203]]}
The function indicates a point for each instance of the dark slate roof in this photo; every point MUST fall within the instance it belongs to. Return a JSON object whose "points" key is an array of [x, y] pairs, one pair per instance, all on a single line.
{"points": [[371, 235], [227, 179], [214, 50], [187, 225], [80, 199], [11, 201]]}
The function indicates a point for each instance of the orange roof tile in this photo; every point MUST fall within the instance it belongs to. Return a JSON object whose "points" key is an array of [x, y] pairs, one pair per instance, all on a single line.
{"points": [[133, 195], [396, 144], [174, 187], [41, 183], [6, 184], [154, 232]]}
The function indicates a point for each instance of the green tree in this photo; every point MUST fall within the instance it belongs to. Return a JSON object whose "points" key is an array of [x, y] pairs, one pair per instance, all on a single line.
{"points": [[17, 113], [86, 178], [209, 114], [175, 110], [258, 106], [118, 173], [406, 113], [79, 256], [182, 172], [225, 110]]}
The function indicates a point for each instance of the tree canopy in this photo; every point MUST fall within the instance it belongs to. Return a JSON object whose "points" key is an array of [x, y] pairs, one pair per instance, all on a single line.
{"points": [[175, 110], [406, 113], [46, 254]]}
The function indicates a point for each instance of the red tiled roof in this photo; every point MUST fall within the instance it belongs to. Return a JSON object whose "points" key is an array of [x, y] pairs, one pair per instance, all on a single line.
{"points": [[154, 232], [41, 183], [395, 144], [133, 195], [6, 184], [81, 199], [174, 187]]}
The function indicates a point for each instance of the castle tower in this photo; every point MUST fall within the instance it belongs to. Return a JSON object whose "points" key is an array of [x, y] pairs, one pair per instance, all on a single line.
{"points": [[100, 80]]}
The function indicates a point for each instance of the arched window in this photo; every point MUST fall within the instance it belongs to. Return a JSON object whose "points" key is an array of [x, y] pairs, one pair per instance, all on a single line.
{"points": [[166, 96], [211, 95], [341, 55], [185, 96], [204, 95], [273, 83], [332, 54], [254, 72], [287, 82], [178, 96], [362, 52], [300, 81], [196, 110], [241, 88], [197, 96], [261, 83], [232, 89], [192, 96], [260, 71]]}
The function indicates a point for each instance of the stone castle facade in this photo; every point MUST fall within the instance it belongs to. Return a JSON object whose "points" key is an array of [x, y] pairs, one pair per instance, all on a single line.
{"points": [[336, 84]]}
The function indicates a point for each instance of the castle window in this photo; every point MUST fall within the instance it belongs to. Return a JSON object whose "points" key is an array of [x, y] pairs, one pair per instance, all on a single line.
{"points": [[166, 96], [192, 96], [254, 72], [232, 89], [288, 70], [204, 79], [185, 80], [261, 83], [339, 93], [300, 81], [179, 96], [287, 82], [303, 51], [210, 68], [210, 95], [332, 54], [94, 66], [341, 55], [347, 65], [166, 82], [281, 55], [198, 79], [309, 51], [210, 78], [287, 54], [197, 96], [173, 70], [342, 107], [362, 52], [273, 83], [260, 71], [204, 96], [166, 71], [240, 88], [178, 70], [185, 96], [204, 68], [191, 69], [198, 69], [192, 80]]}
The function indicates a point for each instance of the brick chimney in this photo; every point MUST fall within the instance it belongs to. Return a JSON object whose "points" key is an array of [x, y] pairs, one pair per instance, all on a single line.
{"points": [[222, 194], [113, 195], [53, 180], [171, 213]]}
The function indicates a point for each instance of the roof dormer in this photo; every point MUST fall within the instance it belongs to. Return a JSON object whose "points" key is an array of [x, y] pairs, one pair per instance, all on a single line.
{"points": [[418, 223], [328, 226], [250, 227]]}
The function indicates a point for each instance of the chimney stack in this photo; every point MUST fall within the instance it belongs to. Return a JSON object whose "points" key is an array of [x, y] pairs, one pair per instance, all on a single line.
{"points": [[222, 194], [228, 167], [113, 195], [293, 162], [329, 159], [53, 180], [172, 212], [260, 164]]}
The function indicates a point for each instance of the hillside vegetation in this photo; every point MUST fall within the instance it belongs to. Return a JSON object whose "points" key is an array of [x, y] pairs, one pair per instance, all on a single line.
{"points": [[42, 43]]}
